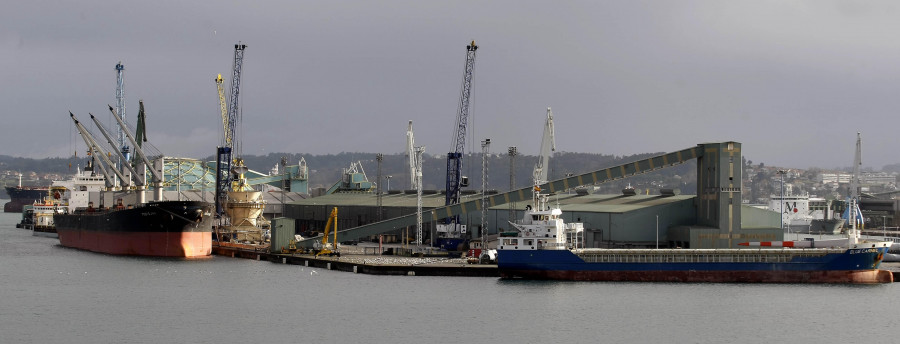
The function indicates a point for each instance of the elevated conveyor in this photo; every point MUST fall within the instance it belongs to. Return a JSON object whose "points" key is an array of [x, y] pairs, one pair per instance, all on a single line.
{"points": [[296, 177], [525, 194]]}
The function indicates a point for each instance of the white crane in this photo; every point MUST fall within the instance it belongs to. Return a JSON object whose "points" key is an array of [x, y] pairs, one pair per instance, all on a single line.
{"points": [[411, 154], [853, 206], [548, 146]]}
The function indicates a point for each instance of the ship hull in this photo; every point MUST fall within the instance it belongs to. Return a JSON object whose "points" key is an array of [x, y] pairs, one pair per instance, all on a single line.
{"points": [[858, 266], [159, 229], [44, 231], [20, 196]]}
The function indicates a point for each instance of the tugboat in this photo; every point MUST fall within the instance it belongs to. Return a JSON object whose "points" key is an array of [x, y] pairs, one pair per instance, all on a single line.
{"points": [[38, 217]]}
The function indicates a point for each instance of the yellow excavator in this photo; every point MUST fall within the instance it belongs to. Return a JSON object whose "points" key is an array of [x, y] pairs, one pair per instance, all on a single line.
{"points": [[332, 248]]}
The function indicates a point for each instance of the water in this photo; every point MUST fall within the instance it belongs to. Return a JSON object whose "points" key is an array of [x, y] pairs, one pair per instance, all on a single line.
{"points": [[52, 294]]}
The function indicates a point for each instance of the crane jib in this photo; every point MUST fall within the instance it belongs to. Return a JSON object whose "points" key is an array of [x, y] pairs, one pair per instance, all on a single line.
{"points": [[454, 158]]}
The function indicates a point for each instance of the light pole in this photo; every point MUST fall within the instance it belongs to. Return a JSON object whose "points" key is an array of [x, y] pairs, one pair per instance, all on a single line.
{"points": [[782, 173]]}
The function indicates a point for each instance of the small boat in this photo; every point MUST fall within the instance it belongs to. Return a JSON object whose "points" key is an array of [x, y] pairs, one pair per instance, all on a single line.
{"points": [[38, 216]]}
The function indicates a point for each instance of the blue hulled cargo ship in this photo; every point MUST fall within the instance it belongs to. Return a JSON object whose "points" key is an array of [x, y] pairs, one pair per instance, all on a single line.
{"points": [[545, 247]]}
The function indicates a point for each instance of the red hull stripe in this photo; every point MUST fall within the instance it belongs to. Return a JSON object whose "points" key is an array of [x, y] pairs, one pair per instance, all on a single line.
{"points": [[157, 244]]}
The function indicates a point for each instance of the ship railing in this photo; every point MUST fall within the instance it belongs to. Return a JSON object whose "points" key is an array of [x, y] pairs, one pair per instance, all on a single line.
{"points": [[693, 256]]}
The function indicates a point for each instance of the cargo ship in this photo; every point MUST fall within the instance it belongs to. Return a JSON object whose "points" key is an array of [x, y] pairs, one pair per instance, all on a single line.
{"points": [[545, 247], [20, 196], [160, 229]]}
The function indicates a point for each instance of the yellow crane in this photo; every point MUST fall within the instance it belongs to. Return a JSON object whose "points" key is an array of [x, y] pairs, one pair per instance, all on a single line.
{"points": [[224, 106], [239, 183], [331, 249]]}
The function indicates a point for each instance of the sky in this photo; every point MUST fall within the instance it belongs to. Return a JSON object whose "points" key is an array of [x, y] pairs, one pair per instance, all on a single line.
{"points": [[793, 81]]}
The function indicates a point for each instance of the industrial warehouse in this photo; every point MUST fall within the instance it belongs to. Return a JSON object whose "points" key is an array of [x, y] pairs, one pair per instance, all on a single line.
{"points": [[715, 219]]}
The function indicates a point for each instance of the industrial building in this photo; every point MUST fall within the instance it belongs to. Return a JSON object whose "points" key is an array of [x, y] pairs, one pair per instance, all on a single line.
{"points": [[714, 218]]}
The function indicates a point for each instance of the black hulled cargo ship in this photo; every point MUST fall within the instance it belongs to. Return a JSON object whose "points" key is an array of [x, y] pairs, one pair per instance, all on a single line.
{"points": [[162, 229], [19, 196]]}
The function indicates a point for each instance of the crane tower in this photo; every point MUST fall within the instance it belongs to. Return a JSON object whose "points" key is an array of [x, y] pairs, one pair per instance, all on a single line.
{"points": [[451, 231], [231, 141], [454, 158], [120, 109], [548, 146]]}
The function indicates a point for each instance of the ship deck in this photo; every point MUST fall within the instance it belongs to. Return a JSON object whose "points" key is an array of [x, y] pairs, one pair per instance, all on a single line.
{"points": [[761, 255]]}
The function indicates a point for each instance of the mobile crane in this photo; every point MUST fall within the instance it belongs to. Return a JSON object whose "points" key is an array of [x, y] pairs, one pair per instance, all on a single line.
{"points": [[450, 233]]}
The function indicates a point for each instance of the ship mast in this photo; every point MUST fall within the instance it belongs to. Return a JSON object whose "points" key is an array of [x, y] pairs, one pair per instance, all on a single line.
{"points": [[156, 178]]}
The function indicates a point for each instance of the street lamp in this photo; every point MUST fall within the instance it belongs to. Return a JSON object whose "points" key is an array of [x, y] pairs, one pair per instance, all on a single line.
{"points": [[782, 173]]}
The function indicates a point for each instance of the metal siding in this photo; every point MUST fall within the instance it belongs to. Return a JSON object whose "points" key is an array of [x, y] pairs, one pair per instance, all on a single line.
{"points": [[283, 231]]}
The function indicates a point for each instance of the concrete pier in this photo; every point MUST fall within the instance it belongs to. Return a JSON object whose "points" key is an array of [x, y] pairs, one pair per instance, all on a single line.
{"points": [[355, 260]]}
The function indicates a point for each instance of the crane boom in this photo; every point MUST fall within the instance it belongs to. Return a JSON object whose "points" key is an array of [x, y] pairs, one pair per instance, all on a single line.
{"points": [[234, 111], [231, 140], [450, 232], [411, 154], [97, 153], [139, 181], [156, 177], [548, 146], [454, 158], [223, 108]]}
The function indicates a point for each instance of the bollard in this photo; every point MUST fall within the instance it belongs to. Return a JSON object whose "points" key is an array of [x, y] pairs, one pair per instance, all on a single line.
{"points": [[283, 260], [328, 266], [354, 269]]}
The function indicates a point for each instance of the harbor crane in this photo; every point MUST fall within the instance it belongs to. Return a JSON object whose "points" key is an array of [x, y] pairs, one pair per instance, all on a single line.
{"points": [[450, 233], [120, 109], [411, 155], [548, 146], [229, 151]]}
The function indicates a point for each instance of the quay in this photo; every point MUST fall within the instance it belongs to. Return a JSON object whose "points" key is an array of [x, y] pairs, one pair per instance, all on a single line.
{"points": [[893, 267], [364, 260], [359, 261]]}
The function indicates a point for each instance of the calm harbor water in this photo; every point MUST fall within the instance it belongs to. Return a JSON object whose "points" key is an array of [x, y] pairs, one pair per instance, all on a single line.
{"points": [[52, 294]]}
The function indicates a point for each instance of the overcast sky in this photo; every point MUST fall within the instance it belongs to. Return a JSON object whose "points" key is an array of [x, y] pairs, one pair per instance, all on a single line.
{"points": [[792, 81]]}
